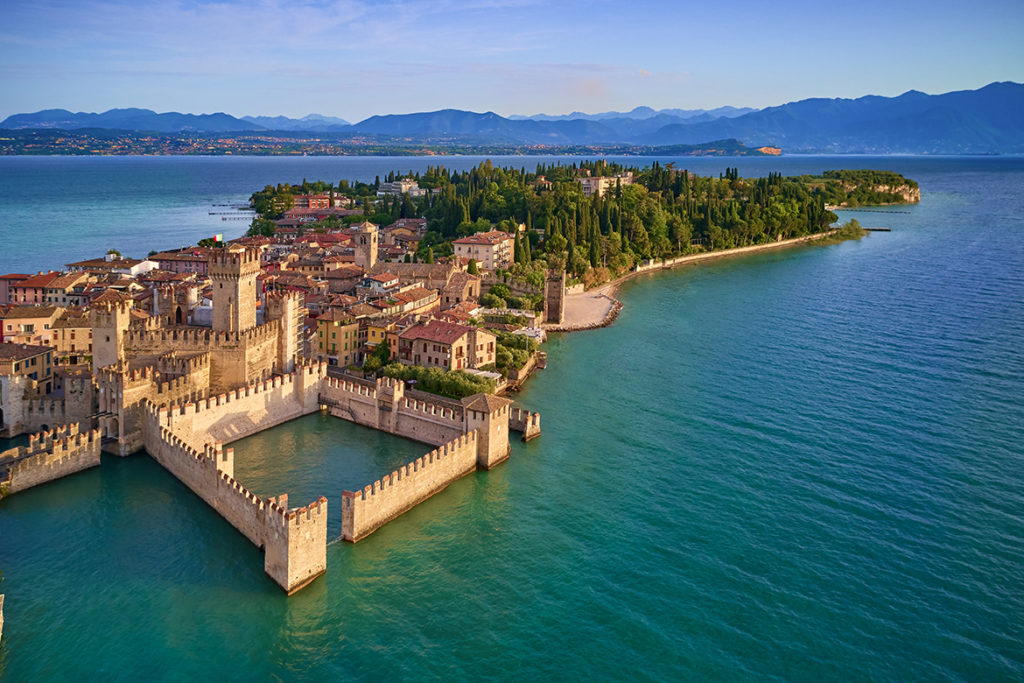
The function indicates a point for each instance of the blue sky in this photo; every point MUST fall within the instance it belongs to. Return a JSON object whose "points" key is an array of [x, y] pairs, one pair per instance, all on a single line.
{"points": [[353, 59]]}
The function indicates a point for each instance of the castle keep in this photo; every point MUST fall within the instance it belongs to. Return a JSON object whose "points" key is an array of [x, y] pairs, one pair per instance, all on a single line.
{"points": [[181, 392]]}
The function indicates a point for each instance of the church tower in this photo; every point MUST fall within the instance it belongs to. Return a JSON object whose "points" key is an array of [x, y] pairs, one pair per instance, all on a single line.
{"points": [[233, 272], [366, 245]]}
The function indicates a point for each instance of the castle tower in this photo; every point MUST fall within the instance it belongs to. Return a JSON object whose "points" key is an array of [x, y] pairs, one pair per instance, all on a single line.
{"points": [[554, 297], [109, 317], [488, 415], [233, 272], [175, 303], [286, 307], [366, 245]]}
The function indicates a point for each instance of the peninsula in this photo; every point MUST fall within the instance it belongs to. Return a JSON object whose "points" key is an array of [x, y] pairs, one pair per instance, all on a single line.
{"points": [[413, 305]]}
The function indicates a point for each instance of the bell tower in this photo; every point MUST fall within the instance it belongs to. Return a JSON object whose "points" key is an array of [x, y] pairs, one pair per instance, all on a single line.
{"points": [[233, 272], [366, 245]]}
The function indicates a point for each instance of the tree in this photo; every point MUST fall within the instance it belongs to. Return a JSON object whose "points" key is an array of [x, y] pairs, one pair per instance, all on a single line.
{"points": [[473, 269], [430, 255], [261, 226]]}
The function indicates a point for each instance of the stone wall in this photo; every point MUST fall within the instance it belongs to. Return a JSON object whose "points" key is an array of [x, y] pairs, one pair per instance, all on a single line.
{"points": [[525, 422], [236, 358], [49, 455], [294, 541], [365, 511], [383, 405], [236, 414]]}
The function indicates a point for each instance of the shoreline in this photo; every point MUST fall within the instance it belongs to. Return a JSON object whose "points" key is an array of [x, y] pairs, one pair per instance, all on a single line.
{"points": [[599, 307]]}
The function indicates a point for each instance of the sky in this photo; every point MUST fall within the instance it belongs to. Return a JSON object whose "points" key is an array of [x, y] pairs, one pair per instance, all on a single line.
{"points": [[354, 58]]}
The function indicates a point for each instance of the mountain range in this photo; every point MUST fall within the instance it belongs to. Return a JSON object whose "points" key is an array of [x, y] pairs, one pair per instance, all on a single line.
{"points": [[984, 121]]}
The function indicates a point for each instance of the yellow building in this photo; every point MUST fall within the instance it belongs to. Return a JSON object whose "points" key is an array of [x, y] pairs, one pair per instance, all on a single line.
{"points": [[337, 339], [28, 360]]}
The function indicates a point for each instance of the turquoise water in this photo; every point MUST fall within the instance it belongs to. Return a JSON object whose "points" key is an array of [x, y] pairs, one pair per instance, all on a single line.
{"points": [[800, 465]]}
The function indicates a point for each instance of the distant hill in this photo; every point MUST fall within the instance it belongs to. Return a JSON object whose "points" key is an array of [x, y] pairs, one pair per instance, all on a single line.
{"points": [[983, 121], [128, 119], [310, 122], [989, 120], [642, 113]]}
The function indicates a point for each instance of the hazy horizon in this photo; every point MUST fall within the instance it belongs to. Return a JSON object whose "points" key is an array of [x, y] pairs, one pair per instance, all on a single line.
{"points": [[354, 59]]}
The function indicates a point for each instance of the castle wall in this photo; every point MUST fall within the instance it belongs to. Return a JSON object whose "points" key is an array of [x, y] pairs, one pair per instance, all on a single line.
{"points": [[236, 358], [236, 414], [50, 455], [525, 422], [365, 511], [294, 541], [376, 405]]}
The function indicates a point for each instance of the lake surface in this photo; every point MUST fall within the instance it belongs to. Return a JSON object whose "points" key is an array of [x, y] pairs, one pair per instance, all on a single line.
{"points": [[801, 465]]}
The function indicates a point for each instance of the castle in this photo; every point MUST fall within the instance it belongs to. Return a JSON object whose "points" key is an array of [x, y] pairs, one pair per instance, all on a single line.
{"points": [[181, 392]]}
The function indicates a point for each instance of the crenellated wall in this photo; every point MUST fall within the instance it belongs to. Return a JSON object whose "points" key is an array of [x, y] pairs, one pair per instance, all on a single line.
{"points": [[122, 392], [383, 405], [294, 541], [49, 455], [236, 414], [365, 511], [235, 357], [525, 422]]}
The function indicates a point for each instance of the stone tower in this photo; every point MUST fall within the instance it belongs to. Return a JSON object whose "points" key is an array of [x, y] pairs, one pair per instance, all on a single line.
{"points": [[366, 245], [286, 307], [233, 272], [174, 303], [554, 297], [488, 414], [109, 316]]}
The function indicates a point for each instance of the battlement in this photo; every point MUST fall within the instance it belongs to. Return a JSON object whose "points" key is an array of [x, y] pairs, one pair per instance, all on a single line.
{"points": [[366, 510], [524, 421], [283, 297], [433, 410], [351, 387], [50, 455], [42, 410], [229, 262], [195, 338], [173, 363], [294, 541]]}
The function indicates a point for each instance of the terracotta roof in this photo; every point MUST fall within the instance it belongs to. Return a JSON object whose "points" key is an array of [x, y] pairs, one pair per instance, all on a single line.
{"points": [[69, 280], [112, 296], [384, 277], [415, 294], [363, 309], [15, 276], [485, 403], [438, 331], [489, 238], [40, 280], [335, 315], [31, 312], [9, 351]]}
